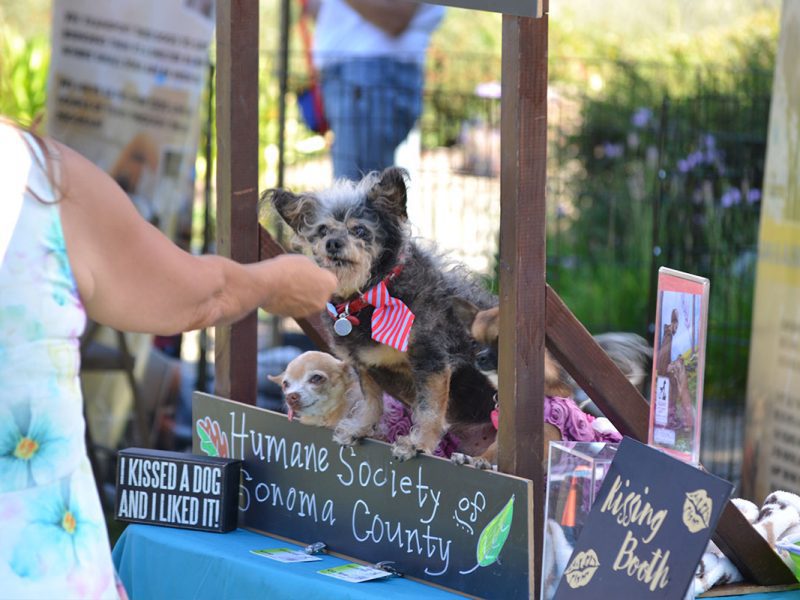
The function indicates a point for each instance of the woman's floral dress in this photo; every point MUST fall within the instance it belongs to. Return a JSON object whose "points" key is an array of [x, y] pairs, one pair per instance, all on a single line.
{"points": [[53, 539]]}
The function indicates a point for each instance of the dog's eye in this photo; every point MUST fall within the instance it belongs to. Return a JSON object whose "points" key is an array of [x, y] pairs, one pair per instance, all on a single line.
{"points": [[359, 231], [322, 230], [316, 378]]}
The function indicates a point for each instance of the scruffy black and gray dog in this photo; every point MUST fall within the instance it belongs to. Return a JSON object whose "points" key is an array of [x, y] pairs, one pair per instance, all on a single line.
{"points": [[392, 315]]}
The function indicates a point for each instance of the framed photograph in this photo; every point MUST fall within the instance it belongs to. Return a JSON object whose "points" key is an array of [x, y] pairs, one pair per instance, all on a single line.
{"points": [[678, 364]]}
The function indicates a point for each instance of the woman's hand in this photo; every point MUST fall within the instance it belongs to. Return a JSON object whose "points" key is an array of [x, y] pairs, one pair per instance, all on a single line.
{"points": [[296, 286]]}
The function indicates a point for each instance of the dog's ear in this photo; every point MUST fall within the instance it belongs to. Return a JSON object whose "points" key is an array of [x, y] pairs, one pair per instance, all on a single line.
{"points": [[389, 193], [296, 210], [486, 327], [465, 311], [277, 379]]}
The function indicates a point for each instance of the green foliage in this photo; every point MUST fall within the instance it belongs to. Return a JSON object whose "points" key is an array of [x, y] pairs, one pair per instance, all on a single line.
{"points": [[671, 161], [23, 76]]}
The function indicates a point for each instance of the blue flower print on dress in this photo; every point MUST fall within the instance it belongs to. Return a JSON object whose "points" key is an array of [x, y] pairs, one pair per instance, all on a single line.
{"points": [[64, 283], [60, 534], [30, 453]]}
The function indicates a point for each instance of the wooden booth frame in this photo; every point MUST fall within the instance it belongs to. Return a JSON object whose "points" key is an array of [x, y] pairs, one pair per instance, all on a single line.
{"points": [[532, 315]]}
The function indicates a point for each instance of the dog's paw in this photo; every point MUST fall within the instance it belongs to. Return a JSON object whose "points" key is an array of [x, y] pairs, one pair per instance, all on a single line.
{"points": [[403, 448], [473, 461], [481, 463], [457, 458], [345, 436]]}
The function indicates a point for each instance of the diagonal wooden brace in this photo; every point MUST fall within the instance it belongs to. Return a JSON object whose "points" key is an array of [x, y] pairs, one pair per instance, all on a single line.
{"points": [[574, 347]]}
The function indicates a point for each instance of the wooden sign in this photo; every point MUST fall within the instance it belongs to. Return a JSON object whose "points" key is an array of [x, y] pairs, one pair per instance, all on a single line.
{"points": [[454, 526], [178, 490], [647, 530]]}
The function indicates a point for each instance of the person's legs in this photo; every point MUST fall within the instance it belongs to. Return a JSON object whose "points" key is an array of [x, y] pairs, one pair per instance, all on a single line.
{"points": [[371, 105]]}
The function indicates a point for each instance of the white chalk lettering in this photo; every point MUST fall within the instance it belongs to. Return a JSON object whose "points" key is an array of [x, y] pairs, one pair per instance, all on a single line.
{"points": [[376, 529]]}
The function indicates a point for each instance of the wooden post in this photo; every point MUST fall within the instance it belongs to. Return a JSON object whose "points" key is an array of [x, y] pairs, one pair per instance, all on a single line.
{"points": [[237, 183], [522, 259]]}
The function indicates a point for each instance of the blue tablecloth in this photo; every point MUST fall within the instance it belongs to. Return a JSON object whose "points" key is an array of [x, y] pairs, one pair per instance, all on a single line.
{"points": [[158, 563]]}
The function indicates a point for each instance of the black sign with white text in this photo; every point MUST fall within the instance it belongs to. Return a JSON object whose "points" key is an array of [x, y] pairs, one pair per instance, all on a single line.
{"points": [[647, 530], [178, 490], [455, 526]]}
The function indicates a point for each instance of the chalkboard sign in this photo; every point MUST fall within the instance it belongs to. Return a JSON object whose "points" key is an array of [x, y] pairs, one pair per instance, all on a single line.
{"points": [[647, 529], [177, 490], [455, 526]]}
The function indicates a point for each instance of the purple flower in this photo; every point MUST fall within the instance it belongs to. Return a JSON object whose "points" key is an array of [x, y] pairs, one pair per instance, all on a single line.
{"points": [[396, 420], [730, 197], [753, 196], [578, 427], [447, 446], [613, 150], [556, 412], [641, 118]]}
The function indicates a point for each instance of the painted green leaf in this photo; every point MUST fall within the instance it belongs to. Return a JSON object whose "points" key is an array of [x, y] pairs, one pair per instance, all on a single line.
{"points": [[494, 535], [206, 445]]}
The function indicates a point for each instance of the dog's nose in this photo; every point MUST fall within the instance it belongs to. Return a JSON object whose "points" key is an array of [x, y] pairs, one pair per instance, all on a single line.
{"points": [[334, 245], [293, 399]]}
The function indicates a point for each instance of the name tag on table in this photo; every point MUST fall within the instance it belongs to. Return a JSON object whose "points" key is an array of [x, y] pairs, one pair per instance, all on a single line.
{"points": [[159, 487], [354, 573], [286, 555]]}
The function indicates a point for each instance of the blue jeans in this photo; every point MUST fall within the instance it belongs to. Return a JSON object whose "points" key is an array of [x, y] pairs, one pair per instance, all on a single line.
{"points": [[371, 104]]}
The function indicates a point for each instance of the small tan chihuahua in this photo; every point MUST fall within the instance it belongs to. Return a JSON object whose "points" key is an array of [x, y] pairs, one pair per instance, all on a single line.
{"points": [[321, 390]]}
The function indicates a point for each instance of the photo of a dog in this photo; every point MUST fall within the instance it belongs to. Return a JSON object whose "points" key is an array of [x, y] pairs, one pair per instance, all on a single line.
{"points": [[392, 317]]}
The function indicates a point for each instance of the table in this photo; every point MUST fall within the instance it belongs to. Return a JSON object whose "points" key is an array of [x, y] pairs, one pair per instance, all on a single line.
{"points": [[175, 564], [158, 563]]}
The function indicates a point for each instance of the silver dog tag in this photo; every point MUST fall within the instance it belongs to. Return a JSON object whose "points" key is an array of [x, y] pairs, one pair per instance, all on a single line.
{"points": [[342, 326]]}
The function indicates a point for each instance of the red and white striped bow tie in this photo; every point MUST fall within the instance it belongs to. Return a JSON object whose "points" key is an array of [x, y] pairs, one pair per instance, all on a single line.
{"points": [[392, 319]]}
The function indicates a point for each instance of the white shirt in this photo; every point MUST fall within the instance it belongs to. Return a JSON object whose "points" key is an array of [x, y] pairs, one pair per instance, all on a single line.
{"points": [[341, 33]]}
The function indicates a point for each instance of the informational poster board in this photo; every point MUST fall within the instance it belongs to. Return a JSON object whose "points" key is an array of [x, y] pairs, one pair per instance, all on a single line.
{"points": [[772, 448], [124, 89], [451, 525]]}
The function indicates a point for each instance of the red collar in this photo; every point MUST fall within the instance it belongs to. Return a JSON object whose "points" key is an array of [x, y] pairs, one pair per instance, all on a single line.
{"points": [[352, 307]]}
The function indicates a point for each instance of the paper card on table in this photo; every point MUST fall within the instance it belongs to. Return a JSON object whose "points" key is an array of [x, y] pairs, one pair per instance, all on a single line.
{"points": [[286, 555], [647, 530], [354, 573]]}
